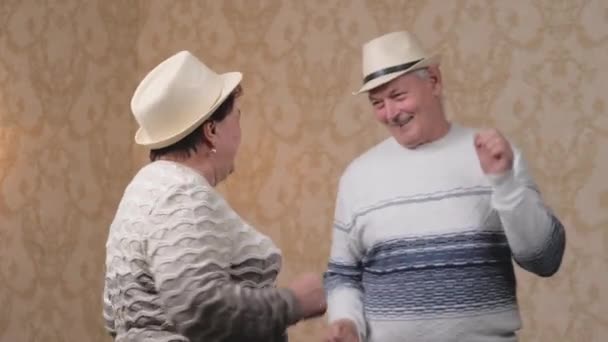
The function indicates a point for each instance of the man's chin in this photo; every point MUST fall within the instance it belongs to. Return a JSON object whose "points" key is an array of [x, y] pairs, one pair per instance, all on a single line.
{"points": [[409, 142]]}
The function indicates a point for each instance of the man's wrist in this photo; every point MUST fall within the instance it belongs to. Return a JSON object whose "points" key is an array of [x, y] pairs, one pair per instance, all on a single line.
{"points": [[507, 191]]}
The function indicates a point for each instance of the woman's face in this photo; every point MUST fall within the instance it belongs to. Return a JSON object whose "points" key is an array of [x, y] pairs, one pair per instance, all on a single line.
{"points": [[227, 142]]}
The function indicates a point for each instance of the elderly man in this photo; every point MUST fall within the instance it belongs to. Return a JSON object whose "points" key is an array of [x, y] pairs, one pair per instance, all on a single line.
{"points": [[428, 221]]}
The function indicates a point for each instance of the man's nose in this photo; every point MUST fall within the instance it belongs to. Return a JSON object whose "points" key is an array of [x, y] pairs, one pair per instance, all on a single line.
{"points": [[391, 110]]}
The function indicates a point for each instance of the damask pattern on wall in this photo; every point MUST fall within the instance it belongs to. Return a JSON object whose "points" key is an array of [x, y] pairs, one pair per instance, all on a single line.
{"points": [[533, 69]]}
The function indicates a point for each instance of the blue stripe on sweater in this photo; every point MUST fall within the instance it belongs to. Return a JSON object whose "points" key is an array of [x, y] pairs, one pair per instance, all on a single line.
{"points": [[342, 275], [547, 261], [413, 199], [433, 276], [417, 199]]}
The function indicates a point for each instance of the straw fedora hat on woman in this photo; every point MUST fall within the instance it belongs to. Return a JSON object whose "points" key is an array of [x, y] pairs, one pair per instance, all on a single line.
{"points": [[176, 97], [390, 56]]}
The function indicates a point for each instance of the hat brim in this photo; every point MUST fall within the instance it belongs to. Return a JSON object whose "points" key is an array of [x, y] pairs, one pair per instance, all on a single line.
{"points": [[376, 82], [231, 80]]}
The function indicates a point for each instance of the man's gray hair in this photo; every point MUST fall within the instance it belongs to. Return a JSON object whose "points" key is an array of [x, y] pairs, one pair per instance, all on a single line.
{"points": [[423, 73]]}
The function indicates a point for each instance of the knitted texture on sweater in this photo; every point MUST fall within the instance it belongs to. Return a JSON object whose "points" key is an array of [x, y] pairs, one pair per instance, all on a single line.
{"points": [[423, 243], [181, 265]]}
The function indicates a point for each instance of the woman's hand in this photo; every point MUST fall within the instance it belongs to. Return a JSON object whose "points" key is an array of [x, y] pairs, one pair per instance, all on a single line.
{"points": [[310, 295]]}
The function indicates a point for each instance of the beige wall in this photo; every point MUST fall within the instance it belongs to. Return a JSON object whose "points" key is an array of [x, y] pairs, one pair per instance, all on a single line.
{"points": [[67, 70]]}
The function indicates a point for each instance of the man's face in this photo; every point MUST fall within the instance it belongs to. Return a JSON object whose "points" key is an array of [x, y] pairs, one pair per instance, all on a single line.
{"points": [[410, 106]]}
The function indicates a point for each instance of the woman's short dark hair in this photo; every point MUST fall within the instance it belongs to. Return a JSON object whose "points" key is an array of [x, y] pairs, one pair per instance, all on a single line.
{"points": [[190, 143]]}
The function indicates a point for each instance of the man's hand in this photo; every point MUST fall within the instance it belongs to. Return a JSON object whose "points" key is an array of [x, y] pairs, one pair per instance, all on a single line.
{"points": [[494, 152], [343, 330]]}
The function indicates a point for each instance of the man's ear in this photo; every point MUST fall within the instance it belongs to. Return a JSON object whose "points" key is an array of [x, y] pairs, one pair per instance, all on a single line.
{"points": [[435, 78]]}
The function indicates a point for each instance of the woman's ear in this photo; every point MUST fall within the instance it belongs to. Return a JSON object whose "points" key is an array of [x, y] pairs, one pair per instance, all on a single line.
{"points": [[209, 132]]}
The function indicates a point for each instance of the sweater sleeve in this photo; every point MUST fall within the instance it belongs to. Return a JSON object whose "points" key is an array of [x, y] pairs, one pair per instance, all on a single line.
{"points": [[108, 314], [536, 236], [343, 276], [190, 251]]}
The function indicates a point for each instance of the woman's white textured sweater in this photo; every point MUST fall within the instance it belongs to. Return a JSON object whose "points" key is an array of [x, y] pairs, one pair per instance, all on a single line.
{"points": [[181, 265]]}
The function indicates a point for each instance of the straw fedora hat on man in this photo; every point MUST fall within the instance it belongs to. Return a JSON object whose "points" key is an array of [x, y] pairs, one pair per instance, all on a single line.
{"points": [[176, 97], [390, 56]]}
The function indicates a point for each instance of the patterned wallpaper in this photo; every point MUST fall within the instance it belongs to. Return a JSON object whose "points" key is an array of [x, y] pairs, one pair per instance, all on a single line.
{"points": [[68, 69]]}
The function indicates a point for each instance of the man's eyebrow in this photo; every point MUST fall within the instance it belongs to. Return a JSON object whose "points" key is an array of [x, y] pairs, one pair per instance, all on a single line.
{"points": [[397, 91]]}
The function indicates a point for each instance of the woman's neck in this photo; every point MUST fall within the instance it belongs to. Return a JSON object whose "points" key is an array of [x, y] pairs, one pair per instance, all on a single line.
{"points": [[197, 162]]}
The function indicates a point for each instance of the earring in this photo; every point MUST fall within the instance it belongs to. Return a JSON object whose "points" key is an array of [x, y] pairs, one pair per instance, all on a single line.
{"points": [[213, 150]]}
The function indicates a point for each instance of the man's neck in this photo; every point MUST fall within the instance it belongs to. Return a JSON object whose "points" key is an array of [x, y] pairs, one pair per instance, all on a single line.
{"points": [[437, 133], [440, 131]]}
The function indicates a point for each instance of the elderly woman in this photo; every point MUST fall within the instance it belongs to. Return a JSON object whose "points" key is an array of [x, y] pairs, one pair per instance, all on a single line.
{"points": [[181, 265]]}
